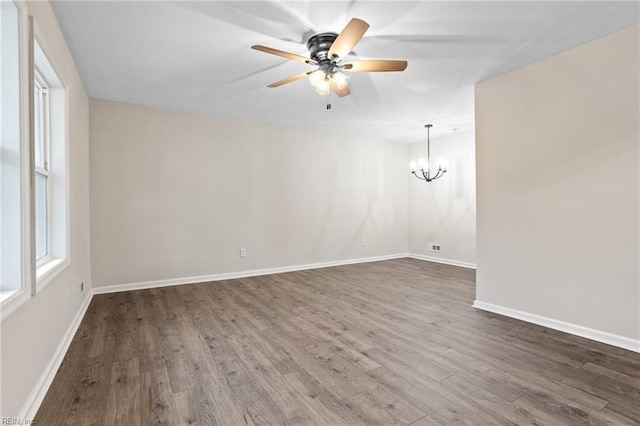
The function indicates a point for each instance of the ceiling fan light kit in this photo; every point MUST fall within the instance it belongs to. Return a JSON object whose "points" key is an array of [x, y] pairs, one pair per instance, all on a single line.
{"points": [[425, 170], [327, 51]]}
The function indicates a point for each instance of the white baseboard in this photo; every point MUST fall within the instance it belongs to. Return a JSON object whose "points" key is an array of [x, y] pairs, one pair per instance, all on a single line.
{"points": [[578, 330], [31, 406], [441, 260], [241, 274]]}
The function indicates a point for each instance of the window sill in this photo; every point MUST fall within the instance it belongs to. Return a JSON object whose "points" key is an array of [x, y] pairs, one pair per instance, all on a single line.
{"points": [[46, 272], [10, 301], [6, 295]]}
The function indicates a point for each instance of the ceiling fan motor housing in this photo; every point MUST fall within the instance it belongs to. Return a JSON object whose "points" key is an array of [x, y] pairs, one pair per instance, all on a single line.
{"points": [[319, 46]]}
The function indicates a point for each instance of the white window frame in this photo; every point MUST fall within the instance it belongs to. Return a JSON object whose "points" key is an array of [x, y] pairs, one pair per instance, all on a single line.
{"points": [[11, 301], [38, 274], [57, 145], [42, 109]]}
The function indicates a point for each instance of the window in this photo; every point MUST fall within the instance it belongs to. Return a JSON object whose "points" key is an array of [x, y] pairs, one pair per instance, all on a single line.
{"points": [[50, 198], [11, 167], [41, 151], [34, 202]]}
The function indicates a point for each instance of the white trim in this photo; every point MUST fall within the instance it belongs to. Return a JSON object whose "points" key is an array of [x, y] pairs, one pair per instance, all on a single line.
{"points": [[57, 160], [31, 406], [240, 274], [441, 260], [29, 239], [12, 303], [47, 272], [578, 330]]}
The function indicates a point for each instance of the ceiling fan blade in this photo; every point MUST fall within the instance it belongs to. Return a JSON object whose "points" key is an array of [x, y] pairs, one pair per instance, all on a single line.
{"points": [[290, 79], [375, 65], [348, 38], [340, 92], [282, 53]]}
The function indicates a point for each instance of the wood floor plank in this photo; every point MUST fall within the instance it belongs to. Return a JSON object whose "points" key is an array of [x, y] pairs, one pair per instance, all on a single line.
{"points": [[612, 417], [156, 399], [482, 377], [341, 329], [426, 421], [402, 410], [123, 399], [184, 372], [402, 364], [392, 342], [527, 380], [316, 390], [187, 407], [323, 370], [435, 399], [324, 407], [89, 405], [607, 372], [345, 351], [465, 386], [553, 412], [259, 406], [370, 410], [622, 397]]}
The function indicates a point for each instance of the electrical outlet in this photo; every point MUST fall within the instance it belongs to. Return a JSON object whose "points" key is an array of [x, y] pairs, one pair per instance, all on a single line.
{"points": [[243, 252], [435, 247], [82, 287], [364, 242]]}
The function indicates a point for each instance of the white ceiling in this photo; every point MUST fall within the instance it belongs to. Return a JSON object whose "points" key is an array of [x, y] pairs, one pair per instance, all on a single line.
{"points": [[196, 56]]}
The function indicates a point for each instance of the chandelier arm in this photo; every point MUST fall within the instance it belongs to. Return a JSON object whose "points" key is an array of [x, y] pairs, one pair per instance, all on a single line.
{"points": [[440, 173], [416, 175]]}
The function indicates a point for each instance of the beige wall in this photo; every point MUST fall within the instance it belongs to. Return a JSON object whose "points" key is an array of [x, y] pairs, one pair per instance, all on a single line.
{"points": [[176, 195], [31, 335], [444, 211], [558, 187]]}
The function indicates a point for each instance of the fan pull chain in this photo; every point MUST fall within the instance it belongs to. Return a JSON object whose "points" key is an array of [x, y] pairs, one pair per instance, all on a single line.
{"points": [[329, 99]]}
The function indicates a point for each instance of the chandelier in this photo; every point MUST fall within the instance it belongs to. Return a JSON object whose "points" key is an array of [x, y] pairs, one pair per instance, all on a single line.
{"points": [[425, 170]]}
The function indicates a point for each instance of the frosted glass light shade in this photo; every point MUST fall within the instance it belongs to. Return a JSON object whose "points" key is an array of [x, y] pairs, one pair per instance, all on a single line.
{"points": [[316, 78], [340, 79]]}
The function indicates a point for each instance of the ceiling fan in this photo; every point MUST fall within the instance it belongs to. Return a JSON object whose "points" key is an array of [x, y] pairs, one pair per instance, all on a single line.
{"points": [[327, 51]]}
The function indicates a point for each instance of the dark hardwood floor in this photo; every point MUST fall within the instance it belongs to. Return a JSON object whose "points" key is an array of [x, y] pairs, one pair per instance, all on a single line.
{"points": [[393, 343]]}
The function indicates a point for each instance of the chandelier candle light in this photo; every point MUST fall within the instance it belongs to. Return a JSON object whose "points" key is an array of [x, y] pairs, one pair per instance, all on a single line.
{"points": [[424, 165]]}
